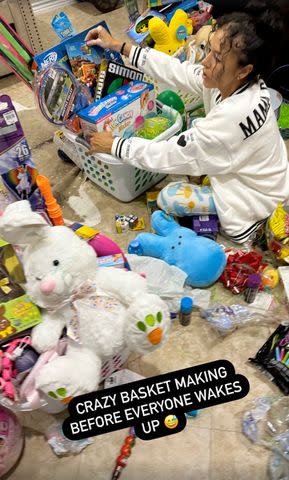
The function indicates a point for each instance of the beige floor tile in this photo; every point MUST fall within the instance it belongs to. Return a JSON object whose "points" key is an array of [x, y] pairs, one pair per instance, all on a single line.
{"points": [[185, 455], [233, 457], [40, 463], [98, 460]]}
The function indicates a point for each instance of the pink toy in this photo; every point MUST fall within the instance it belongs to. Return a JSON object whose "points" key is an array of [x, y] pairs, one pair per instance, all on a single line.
{"points": [[14, 350], [11, 440], [104, 246]]}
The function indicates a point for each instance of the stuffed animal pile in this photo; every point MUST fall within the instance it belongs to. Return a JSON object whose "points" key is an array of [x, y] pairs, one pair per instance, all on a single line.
{"points": [[105, 310]]}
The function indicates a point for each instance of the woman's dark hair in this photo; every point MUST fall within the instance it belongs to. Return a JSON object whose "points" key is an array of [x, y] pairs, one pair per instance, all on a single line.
{"points": [[255, 34]]}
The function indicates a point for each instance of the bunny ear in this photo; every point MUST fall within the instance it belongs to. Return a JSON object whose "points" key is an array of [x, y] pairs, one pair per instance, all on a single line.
{"points": [[162, 223], [19, 225]]}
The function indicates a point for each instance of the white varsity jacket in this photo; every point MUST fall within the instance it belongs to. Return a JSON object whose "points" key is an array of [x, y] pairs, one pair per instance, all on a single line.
{"points": [[237, 144]]}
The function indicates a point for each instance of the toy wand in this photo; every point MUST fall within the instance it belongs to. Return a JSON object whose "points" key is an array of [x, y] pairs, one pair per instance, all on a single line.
{"points": [[53, 209]]}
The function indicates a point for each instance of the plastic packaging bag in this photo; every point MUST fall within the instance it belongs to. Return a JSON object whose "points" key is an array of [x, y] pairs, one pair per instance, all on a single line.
{"points": [[63, 446], [226, 319], [267, 424], [163, 279]]}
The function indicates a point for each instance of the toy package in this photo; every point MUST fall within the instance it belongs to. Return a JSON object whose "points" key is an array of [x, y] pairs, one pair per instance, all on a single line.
{"points": [[160, 3], [16, 316], [116, 261], [17, 168], [138, 31], [113, 76], [84, 62], [132, 9], [59, 95], [273, 358], [62, 26], [124, 110], [58, 53], [17, 312]]}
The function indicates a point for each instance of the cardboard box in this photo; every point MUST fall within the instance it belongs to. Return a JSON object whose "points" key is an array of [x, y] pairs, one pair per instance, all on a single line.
{"points": [[122, 110], [113, 76], [58, 53]]}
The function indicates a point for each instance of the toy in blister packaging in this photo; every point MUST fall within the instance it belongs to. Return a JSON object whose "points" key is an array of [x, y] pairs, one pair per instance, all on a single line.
{"points": [[84, 62], [273, 358], [202, 16], [189, 6], [59, 95], [62, 26], [15, 53], [113, 76], [139, 30], [124, 110], [58, 53]]}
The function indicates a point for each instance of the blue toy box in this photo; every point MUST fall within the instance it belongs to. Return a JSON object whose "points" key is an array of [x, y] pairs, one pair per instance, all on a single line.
{"points": [[59, 53], [124, 110]]}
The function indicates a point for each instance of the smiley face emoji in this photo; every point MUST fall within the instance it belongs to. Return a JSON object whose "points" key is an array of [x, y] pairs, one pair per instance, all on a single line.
{"points": [[171, 421]]}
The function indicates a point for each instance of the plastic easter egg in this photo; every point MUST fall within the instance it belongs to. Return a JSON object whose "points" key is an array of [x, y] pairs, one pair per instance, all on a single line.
{"points": [[171, 99]]}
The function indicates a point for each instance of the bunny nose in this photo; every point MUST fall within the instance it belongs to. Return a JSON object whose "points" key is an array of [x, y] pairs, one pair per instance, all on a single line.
{"points": [[47, 286]]}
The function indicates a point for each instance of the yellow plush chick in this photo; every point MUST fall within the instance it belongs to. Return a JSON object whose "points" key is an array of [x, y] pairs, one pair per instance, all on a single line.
{"points": [[169, 39]]}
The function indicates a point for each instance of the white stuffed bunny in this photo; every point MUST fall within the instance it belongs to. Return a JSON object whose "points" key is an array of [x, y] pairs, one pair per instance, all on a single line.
{"points": [[105, 310]]}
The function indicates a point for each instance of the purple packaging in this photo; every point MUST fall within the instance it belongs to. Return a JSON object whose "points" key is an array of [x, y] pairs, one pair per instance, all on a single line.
{"points": [[17, 168], [205, 224]]}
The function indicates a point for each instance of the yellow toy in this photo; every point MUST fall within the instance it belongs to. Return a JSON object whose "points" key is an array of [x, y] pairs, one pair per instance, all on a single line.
{"points": [[270, 277], [279, 223], [169, 39]]}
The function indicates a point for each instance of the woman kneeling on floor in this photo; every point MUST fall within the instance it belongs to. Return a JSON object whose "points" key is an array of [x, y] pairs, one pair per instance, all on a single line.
{"points": [[237, 144]]}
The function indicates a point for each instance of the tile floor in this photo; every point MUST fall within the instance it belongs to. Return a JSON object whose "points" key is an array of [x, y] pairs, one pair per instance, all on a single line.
{"points": [[212, 447]]}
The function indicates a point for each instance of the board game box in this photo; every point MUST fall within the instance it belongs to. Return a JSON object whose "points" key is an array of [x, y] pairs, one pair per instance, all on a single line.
{"points": [[113, 76]]}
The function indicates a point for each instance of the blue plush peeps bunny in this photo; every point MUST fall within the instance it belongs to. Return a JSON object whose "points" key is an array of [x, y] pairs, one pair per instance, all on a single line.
{"points": [[202, 259]]}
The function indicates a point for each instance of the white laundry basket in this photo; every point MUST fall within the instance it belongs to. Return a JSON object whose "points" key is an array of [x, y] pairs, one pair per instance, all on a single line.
{"points": [[120, 180]]}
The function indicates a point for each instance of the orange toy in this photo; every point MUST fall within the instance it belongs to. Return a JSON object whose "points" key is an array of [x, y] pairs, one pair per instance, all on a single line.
{"points": [[53, 209]]}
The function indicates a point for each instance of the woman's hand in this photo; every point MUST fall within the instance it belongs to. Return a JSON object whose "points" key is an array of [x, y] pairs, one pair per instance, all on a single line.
{"points": [[99, 36], [101, 142]]}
